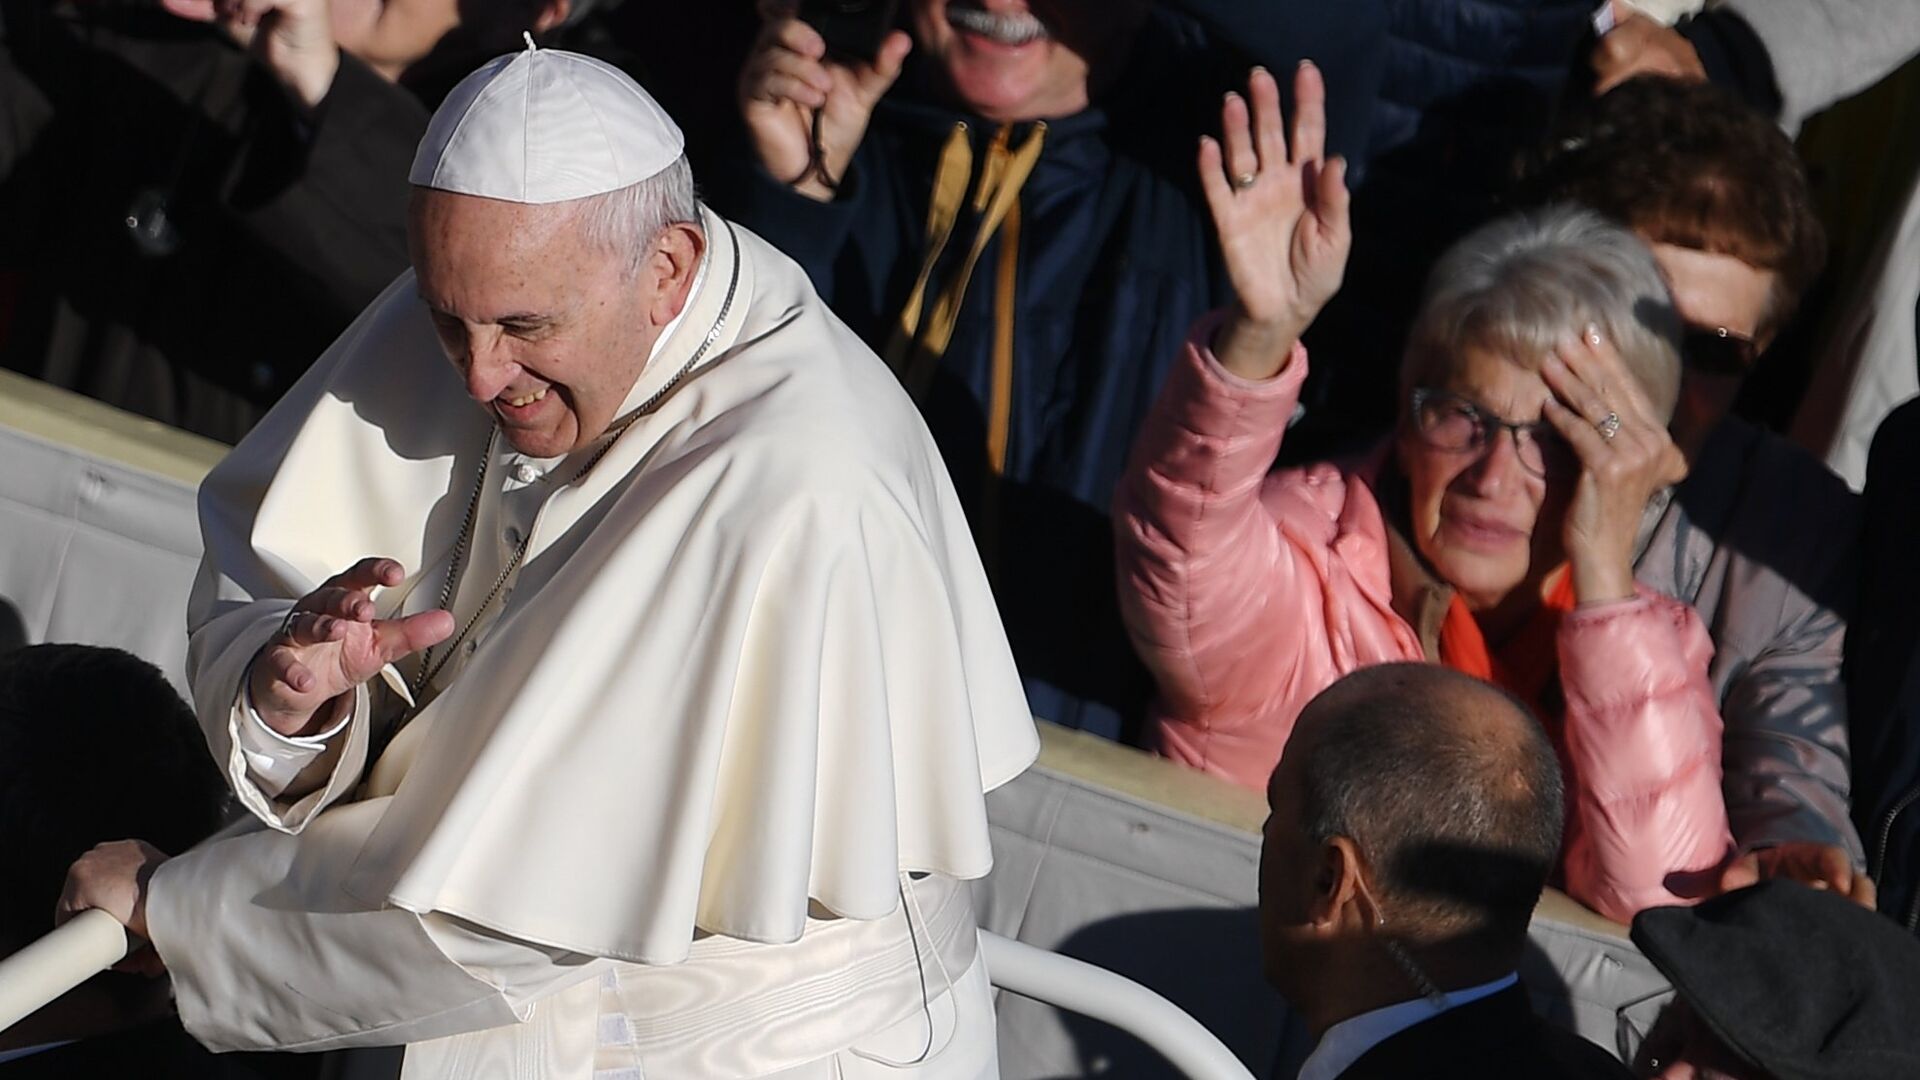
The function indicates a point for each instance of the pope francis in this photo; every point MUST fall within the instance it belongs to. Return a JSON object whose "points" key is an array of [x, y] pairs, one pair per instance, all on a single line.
{"points": [[599, 648]]}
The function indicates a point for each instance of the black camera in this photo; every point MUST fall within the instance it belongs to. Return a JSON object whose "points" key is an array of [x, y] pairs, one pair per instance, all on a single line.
{"points": [[854, 29]]}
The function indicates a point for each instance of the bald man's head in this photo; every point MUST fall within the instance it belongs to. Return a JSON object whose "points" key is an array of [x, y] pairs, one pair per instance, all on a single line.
{"points": [[1444, 788]]}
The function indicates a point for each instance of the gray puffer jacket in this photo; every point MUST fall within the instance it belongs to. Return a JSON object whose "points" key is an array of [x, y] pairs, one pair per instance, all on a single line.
{"points": [[1759, 540]]}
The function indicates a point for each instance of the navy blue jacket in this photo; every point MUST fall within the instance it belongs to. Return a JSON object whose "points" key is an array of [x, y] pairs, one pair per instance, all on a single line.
{"points": [[1116, 260]]}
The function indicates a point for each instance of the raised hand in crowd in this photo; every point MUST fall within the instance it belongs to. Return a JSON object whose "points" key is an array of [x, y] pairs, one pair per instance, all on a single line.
{"points": [[1638, 46], [1624, 454], [1281, 210], [789, 81], [332, 643], [294, 38]]}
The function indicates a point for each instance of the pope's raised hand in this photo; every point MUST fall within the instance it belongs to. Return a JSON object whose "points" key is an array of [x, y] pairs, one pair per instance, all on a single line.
{"points": [[1280, 207], [332, 643]]}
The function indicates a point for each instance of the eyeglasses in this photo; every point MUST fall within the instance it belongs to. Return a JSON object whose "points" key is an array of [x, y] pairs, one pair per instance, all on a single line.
{"points": [[1716, 350], [1447, 421]]}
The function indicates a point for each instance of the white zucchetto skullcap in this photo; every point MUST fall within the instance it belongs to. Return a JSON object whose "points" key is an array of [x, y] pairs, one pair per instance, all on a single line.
{"points": [[545, 126]]}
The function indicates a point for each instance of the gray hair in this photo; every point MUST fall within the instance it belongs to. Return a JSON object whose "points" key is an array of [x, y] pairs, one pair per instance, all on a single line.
{"points": [[625, 221], [1523, 285]]}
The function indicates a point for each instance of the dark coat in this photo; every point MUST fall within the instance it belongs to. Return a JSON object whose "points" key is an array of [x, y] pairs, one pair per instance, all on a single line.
{"points": [[1883, 669], [1116, 260], [1495, 1038], [286, 227]]}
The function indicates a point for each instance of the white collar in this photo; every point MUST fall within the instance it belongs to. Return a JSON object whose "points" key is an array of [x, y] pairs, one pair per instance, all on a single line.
{"points": [[1349, 1040]]}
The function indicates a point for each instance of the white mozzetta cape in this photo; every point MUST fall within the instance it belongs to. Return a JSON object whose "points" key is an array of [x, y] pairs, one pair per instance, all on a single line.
{"points": [[751, 660]]}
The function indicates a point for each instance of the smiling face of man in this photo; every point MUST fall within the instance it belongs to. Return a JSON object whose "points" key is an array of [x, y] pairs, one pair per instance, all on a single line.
{"points": [[1014, 60], [549, 331]]}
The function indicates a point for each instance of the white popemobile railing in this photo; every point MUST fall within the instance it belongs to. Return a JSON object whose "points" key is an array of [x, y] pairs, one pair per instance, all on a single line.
{"points": [[94, 941], [1080, 987], [89, 943]]}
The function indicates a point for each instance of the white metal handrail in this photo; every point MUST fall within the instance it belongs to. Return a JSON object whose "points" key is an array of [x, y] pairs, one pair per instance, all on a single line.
{"points": [[82, 947], [1090, 990]]}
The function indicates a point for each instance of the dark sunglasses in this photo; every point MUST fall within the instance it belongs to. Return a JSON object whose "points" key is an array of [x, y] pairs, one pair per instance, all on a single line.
{"points": [[1716, 350]]}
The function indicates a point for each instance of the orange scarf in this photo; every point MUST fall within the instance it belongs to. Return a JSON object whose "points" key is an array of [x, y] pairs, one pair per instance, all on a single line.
{"points": [[1527, 665]]}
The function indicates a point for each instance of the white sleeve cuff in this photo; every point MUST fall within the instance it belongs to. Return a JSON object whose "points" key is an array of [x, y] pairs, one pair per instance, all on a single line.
{"points": [[275, 759]]}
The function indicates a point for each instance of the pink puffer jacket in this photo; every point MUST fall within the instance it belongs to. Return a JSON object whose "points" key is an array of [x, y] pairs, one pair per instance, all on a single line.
{"points": [[1247, 593]]}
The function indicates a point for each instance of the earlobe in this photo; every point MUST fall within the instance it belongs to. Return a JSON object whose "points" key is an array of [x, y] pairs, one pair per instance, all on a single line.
{"points": [[1341, 896]]}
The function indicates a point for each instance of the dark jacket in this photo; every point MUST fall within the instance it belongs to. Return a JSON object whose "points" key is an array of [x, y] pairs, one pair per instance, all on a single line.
{"points": [[283, 227], [1115, 261], [1883, 669], [1760, 540], [1494, 1038]]}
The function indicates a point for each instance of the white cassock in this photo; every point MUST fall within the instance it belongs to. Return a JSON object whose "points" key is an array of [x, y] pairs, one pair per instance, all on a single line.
{"points": [[699, 795]]}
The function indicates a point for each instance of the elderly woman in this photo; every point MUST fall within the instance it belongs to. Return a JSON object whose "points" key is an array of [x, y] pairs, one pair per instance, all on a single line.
{"points": [[1495, 533]]}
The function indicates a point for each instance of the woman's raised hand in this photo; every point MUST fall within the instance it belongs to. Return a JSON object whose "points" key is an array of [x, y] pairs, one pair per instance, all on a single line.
{"points": [[1625, 457], [1281, 216]]}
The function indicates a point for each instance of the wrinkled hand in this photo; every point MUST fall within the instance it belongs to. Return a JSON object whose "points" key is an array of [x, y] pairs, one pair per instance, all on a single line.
{"points": [[294, 38], [1593, 391], [1822, 866], [1638, 46], [113, 877], [788, 78], [333, 643], [1281, 216]]}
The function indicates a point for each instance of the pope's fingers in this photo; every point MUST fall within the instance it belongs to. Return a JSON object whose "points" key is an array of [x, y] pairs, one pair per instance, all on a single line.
{"points": [[395, 638], [351, 604], [371, 572], [284, 668], [316, 628]]}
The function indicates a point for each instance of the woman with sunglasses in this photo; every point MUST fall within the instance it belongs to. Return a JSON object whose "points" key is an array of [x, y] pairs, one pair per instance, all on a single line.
{"points": [[1493, 533]]}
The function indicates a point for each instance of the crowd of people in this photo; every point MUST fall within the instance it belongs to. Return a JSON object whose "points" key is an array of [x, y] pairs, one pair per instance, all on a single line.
{"points": [[1351, 401]]}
